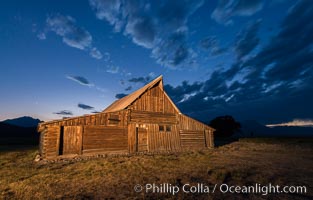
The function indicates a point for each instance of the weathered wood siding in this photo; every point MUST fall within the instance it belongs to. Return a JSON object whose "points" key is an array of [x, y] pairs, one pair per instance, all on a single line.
{"points": [[73, 136], [152, 117], [131, 129], [156, 140], [50, 142], [142, 139], [104, 139], [151, 110], [194, 134], [192, 139], [163, 140], [119, 118], [154, 100], [187, 123], [72, 140], [209, 139], [43, 132]]}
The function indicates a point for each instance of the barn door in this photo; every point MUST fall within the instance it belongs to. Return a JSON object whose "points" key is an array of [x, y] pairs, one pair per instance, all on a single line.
{"points": [[72, 140], [141, 139], [208, 140]]}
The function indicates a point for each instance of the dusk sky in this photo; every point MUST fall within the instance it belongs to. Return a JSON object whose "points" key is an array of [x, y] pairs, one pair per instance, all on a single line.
{"points": [[250, 59]]}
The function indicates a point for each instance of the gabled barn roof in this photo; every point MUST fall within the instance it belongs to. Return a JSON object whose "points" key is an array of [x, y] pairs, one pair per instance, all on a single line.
{"points": [[129, 99]]}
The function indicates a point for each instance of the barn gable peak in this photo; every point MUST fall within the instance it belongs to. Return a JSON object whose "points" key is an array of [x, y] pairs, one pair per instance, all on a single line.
{"points": [[129, 99]]}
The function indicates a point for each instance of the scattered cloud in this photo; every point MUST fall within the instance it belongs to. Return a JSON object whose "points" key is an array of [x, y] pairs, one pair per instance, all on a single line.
{"points": [[71, 34], [63, 112], [295, 122], [141, 30], [266, 84], [142, 79], [122, 82], [178, 93], [101, 89], [128, 88], [179, 54], [109, 11], [95, 53], [112, 69], [247, 39], [41, 36], [225, 10], [81, 80], [290, 62], [120, 95], [276, 76], [85, 107], [106, 57], [160, 27], [95, 112], [211, 44]]}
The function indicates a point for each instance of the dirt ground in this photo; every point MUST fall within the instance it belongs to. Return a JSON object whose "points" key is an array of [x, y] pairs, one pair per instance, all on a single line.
{"points": [[248, 162]]}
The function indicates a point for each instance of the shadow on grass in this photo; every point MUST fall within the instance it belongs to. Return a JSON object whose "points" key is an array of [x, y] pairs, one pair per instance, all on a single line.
{"points": [[221, 141], [17, 144], [12, 148], [302, 141]]}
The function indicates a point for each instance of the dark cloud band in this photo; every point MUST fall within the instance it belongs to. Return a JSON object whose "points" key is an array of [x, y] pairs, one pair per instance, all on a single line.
{"points": [[84, 106]]}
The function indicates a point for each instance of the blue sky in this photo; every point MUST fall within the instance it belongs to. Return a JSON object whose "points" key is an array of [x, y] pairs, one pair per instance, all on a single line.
{"points": [[250, 59]]}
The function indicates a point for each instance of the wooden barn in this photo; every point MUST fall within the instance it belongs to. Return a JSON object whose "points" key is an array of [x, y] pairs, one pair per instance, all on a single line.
{"points": [[145, 121]]}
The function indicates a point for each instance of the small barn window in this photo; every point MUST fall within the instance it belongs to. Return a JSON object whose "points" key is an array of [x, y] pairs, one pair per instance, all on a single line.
{"points": [[113, 119], [165, 128], [161, 127]]}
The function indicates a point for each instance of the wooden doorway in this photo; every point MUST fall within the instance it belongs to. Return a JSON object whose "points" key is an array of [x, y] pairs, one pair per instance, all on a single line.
{"points": [[141, 139], [71, 140], [207, 137]]}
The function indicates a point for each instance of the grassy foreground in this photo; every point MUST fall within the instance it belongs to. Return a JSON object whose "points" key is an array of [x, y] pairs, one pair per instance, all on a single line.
{"points": [[246, 162]]}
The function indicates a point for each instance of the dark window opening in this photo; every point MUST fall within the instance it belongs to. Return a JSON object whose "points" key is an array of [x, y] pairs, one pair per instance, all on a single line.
{"points": [[113, 119], [61, 140], [165, 128], [114, 122]]}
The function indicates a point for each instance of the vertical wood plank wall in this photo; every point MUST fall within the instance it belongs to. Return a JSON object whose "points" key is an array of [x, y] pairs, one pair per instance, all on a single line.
{"points": [[152, 109], [131, 137], [163, 140], [142, 139], [72, 139], [154, 100]]}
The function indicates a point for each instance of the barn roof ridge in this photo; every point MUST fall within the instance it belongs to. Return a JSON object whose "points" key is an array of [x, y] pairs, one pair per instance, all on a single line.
{"points": [[124, 102]]}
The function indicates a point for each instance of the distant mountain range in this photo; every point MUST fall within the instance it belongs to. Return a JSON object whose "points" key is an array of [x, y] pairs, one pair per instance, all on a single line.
{"points": [[23, 121], [22, 130]]}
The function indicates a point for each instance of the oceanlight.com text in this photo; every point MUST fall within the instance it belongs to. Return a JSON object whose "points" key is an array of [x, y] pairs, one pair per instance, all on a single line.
{"points": [[224, 188]]}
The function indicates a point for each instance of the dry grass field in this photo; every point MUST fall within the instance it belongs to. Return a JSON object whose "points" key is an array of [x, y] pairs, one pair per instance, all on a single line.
{"points": [[245, 162]]}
